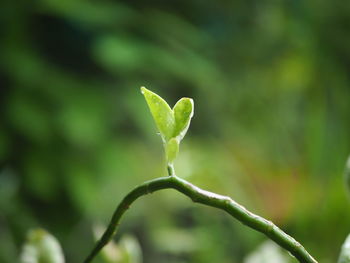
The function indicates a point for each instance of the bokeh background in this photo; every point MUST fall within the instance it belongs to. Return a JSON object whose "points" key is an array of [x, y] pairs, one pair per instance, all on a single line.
{"points": [[270, 81]]}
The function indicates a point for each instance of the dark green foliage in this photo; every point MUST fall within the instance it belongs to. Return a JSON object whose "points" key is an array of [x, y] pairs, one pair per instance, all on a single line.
{"points": [[271, 85]]}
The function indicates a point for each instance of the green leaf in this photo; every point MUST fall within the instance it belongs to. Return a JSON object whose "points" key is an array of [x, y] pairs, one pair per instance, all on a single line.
{"points": [[344, 256], [41, 247], [161, 112], [183, 112], [172, 149]]}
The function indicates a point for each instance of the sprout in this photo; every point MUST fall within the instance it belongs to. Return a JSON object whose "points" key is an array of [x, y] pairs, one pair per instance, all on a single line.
{"points": [[171, 123]]}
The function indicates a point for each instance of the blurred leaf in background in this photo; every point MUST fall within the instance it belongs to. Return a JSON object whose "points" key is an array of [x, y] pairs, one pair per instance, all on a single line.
{"points": [[268, 252], [41, 247], [344, 256], [127, 250]]}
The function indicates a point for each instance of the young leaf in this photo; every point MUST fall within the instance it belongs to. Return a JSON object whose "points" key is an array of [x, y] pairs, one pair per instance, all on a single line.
{"points": [[183, 112], [172, 149], [172, 123], [345, 252], [161, 112], [41, 247]]}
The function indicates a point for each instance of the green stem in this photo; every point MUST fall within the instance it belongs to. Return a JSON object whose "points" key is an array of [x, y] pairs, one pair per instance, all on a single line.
{"points": [[198, 195], [171, 170]]}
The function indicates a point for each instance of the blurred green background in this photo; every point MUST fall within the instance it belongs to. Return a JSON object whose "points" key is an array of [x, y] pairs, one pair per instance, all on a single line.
{"points": [[270, 81]]}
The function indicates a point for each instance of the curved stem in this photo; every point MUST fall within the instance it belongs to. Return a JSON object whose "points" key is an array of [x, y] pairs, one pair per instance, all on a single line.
{"points": [[198, 195]]}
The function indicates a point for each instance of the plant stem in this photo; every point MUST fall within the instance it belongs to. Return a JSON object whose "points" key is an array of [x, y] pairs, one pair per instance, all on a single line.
{"points": [[171, 170], [198, 195]]}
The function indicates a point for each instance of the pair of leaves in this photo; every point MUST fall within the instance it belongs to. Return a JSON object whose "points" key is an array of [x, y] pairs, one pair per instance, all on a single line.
{"points": [[171, 123]]}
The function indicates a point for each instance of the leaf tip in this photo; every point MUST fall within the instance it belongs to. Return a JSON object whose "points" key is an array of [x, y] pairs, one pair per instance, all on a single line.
{"points": [[143, 90]]}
